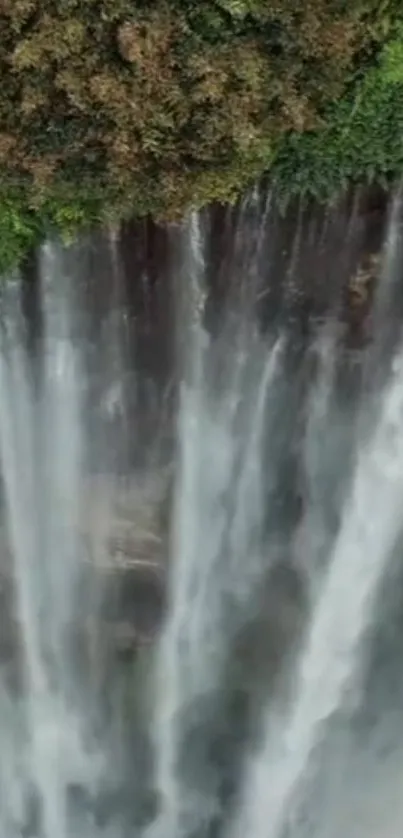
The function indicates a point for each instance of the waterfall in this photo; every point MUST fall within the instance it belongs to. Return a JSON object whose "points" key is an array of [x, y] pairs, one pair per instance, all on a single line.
{"points": [[202, 638], [330, 658], [345, 607], [45, 429], [217, 523], [41, 440]]}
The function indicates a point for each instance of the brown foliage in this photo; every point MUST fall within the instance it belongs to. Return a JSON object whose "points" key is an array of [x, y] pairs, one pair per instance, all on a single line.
{"points": [[166, 102]]}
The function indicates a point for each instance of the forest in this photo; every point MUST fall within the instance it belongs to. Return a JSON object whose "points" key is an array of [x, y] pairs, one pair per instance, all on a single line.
{"points": [[113, 109]]}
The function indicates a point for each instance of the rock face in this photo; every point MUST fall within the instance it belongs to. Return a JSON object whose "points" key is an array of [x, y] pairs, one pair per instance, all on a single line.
{"points": [[126, 541], [311, 263], [122, 520], [125, 549]]}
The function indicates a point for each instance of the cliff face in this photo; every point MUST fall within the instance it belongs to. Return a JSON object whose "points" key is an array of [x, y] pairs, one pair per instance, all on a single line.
{"points": [[297, 270], [100, 341]]}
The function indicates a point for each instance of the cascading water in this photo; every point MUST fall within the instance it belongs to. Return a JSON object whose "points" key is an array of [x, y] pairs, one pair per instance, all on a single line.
{"points": [[329, 661], [283, 547], [41, 443], [195, 643], [331, 655], [217, 543]]}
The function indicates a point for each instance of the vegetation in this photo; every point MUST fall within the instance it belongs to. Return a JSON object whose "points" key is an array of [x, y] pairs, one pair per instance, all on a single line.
{"points": [[113, 108], [360, 139]]}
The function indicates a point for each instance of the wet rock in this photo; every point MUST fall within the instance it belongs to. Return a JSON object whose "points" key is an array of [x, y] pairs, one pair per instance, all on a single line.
{"points": [[121, 592], [121, 521], [359, 298]]}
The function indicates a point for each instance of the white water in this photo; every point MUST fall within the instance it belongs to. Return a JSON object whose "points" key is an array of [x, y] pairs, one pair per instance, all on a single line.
{"points": [[232, 404], [41, 443], [196, 637], [329, 665], [217, 540], [330, 658]]}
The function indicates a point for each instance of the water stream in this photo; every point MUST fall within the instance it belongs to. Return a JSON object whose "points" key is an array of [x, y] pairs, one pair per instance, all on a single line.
{"points": [[201, 533]]}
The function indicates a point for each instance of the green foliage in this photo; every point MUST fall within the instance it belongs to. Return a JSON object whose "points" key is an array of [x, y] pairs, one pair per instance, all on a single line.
{"points": [[115, 108], [19, 231], [392, 61], [361, 138]]}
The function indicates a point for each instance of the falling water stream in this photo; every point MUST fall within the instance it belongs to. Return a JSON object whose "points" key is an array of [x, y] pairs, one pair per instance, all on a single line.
{"points": [[257, 707]]}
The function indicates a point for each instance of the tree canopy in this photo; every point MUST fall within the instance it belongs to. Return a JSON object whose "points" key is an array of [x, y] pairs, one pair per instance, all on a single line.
{"points": [[114, 108]]}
